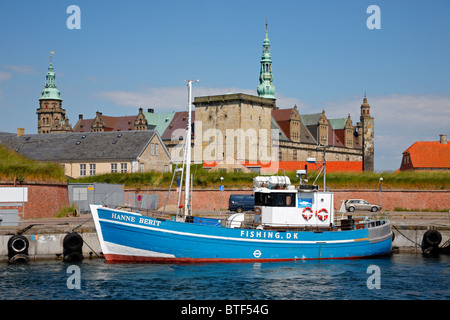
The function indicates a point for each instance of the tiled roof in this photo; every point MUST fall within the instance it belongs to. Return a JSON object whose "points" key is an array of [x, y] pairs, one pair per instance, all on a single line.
{"points": [[429, 154], [125, 123], [159, 121], [338, 124], [282, 116], [275, 126], [126, 145], [178, 124]]}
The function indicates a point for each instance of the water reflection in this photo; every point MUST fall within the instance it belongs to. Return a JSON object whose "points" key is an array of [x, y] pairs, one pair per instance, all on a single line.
{"points": [[401, 277]]}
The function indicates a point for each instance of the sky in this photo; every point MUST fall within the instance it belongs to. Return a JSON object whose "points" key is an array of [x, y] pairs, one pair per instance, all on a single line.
{"points": [[136, 53]]}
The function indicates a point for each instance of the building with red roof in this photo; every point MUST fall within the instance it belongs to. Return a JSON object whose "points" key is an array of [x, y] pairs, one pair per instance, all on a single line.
{"points": [[427, 155]]}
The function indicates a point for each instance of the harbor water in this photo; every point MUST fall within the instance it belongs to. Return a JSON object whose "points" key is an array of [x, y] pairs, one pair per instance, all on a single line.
{"points": [[397, 277]]}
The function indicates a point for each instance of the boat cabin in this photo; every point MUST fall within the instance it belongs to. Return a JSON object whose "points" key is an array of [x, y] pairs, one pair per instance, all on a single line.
{"points": [[280, 204]]}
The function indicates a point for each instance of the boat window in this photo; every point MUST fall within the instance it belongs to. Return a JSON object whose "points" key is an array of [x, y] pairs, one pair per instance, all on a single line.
{"points": [[275, 199]]}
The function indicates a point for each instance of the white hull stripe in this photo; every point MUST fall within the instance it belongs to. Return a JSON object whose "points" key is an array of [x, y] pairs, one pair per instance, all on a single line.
{"points": [[229, 238], [113, 248]]}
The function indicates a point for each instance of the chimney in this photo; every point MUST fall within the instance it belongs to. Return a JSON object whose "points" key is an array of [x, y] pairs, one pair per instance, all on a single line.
{"points": [[443, 138], [150, 110], [20, 131], [80, 117]]}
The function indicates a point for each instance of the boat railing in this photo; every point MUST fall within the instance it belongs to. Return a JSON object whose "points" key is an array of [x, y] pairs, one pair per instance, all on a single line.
{"points": [[338, 225], [146, 212]]}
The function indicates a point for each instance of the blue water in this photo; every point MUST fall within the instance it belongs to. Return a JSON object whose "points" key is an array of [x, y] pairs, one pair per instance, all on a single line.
{"points": [[401, 276]]}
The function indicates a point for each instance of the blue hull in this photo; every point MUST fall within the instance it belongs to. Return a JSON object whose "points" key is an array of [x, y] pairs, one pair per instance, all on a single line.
{"points": [[130, 237]]}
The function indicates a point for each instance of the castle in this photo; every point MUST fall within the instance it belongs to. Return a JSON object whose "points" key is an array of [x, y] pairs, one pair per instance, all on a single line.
{"points": [[239, 127]]}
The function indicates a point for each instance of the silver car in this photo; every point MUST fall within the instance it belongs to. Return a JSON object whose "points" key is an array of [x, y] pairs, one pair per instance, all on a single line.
{"points": [[360, 204]]}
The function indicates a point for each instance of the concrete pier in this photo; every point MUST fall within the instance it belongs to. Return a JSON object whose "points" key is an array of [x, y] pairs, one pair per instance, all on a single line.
{"points": [[46, 235]]}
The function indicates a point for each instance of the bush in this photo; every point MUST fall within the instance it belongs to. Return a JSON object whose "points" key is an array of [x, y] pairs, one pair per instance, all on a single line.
{"points": [[66, 210]]}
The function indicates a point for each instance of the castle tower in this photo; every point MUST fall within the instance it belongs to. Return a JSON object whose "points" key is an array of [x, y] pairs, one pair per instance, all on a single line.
{"points": [[51, 115], [367, 126], [266, 89], [294, 125], [348, 133], [323, 129]]}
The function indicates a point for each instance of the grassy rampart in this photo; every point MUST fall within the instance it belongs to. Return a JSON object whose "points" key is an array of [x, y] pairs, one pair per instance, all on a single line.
{"points": [[422, 180], [13, 165]]}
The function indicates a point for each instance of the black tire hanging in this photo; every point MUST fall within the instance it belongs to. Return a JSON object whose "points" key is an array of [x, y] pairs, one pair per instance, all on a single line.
{"points": [[430, 242], [72, 247], [18, 248], [431, 238]]}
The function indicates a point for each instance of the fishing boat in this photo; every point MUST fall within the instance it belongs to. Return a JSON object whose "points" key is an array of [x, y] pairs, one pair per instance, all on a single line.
{"points": [[288, 223]]}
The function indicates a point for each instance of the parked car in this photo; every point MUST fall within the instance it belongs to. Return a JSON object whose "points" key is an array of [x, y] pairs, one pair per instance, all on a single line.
{"points": [[241, 202], [360, 204]]}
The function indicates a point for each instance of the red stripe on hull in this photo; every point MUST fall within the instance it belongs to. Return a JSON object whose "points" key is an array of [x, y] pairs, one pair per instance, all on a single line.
{"points": [[116, 258]]}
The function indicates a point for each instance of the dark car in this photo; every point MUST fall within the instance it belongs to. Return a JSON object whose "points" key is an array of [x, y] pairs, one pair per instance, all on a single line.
{"points": [[360, 204], [241, 202]]}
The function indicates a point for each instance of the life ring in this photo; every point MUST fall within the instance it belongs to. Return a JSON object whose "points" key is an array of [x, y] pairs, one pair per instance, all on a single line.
{"points": [[257, 210], [322, 217], [305, 216]]}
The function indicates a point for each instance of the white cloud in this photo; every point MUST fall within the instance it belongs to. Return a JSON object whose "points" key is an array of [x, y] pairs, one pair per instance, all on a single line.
{"points": [[175, 98], [163, 99], [400, 120], [23, 69], [5, 76]]}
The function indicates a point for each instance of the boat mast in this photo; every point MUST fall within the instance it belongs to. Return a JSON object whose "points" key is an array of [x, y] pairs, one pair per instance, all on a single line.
{"points": [[188, 149], [324, 163]]}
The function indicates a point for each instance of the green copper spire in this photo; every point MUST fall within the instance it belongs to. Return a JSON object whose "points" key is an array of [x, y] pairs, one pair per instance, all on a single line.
{"points": [[50, 91], [266, 89]]}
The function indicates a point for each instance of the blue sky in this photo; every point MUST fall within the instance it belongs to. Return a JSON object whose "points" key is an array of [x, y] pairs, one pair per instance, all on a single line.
{"points": [[131, 54]]}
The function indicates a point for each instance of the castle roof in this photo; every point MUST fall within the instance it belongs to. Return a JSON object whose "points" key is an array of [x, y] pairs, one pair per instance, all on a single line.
{"points": [[124, 123], [159, 121], [50, 91], [178, 125]]}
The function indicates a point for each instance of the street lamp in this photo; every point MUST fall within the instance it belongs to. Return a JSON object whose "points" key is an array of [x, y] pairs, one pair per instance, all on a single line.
{"points": [[379, 189]]}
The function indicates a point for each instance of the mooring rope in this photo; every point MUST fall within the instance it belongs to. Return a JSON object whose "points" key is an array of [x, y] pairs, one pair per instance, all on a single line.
{"points": [[406, 237]]}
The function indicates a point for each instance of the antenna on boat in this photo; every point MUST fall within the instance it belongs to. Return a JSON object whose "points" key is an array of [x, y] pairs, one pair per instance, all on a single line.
{"points": [[187, 207], [323, 167]]}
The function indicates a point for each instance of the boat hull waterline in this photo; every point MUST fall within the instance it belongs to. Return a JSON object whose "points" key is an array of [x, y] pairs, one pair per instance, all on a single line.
{"points": [[131, 237]]}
